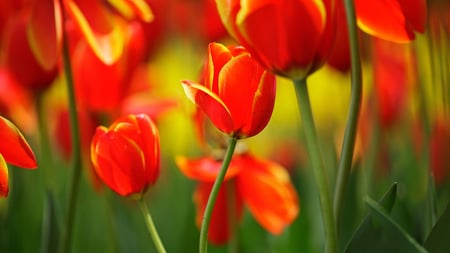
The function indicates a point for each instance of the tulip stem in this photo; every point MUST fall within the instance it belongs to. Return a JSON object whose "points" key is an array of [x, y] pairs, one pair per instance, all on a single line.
{"points": [[213, 195], [317, 163], [151, 226], [49, 233], [348, 144], [76, 146]]}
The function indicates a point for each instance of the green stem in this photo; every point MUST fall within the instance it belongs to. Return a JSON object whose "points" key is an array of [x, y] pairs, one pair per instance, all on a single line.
{"points": [[49, 235], [315, 156], [348, 144], [232, 219], [151, 226], [213, 196], [76, 145]]}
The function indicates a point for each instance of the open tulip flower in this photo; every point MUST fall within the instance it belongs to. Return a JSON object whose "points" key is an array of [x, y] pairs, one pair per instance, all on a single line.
{"points": [[126, 155], [261, 185], [237, 95], [291, 38], [15, 150]]}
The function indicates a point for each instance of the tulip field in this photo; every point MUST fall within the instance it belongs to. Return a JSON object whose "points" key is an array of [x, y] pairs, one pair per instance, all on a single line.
{"points": [[218, 126]]}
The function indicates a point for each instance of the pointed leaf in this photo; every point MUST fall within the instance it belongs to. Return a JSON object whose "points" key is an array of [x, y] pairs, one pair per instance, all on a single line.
{"points": [[391, 232], [437, 241], [362, 239]]}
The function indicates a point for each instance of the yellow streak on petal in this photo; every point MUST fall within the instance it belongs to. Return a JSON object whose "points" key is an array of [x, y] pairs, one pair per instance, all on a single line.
{"points": [[109, 47], [141, 9], [3, 177], [386, 36], [191, 90]]}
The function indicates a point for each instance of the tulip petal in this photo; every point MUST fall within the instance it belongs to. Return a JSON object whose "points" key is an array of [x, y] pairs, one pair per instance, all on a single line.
{"points": [[269, 194], [14, 148], [130, 9], [104, 34], [119, 161], [219, 227], [44, 31], [392, 25], [242, 92], [218, 56], [4, 184], [211, 104], [204, 169], [149, 137], [284, 50], [415, 12]]}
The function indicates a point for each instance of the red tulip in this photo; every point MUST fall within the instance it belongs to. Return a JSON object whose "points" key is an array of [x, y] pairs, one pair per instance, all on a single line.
{"points": [[393, 77], [238, 95], [19, 58], [261, 185], [439, 147], [15, 150], [101, 87], [394, 20], [291, 38], [126, 155]]}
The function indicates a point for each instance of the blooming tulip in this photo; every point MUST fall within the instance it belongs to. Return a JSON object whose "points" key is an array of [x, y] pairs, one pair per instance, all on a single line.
{"points": [[126, 155], [238, 94], [291, 38], [15, 150], [395, 21], [262, 185]]}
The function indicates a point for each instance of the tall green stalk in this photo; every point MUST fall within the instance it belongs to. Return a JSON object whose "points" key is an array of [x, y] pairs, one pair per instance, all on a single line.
{"points": [[317, 163], [76, 146], [49, 235], [348, 144], [213, 196], [151, 226]]}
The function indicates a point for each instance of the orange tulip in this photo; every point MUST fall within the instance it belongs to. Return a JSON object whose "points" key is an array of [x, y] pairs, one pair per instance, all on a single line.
{"points": [[261, 185], [15, 150], [126, 155], [291, 38], [238, 95], [395, 20]]}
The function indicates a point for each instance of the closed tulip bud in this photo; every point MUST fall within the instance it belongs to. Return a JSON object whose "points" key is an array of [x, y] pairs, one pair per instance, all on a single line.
{"points": [[126, 156]]}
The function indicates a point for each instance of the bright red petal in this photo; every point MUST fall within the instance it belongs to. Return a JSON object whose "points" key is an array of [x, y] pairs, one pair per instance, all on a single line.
{"points": [[14, 148], [241, 88], [204, 169], [284, 50], [268, 193], [45, 32], [211, 104], [149, 138], [218, 56], [119, 162], [415, 12], [391, 25], [104, 32]]}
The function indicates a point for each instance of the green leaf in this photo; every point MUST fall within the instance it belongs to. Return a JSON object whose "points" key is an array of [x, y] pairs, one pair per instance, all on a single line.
{"points": [[393, 237], [364, 239], [438, 241]]}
